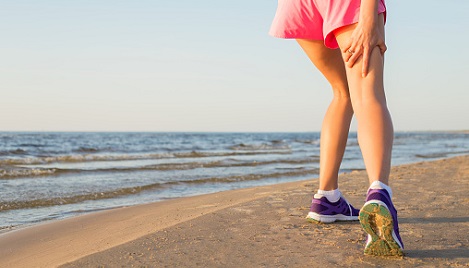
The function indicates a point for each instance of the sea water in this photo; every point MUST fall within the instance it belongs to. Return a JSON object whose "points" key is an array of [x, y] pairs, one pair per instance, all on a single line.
{"points": [[46, 176]]}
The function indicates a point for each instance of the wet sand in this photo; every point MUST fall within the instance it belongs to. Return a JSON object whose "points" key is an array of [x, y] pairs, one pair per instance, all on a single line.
{"points": [[259, 227]]}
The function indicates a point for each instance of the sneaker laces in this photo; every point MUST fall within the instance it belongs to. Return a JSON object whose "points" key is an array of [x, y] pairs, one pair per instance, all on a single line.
{"points": [[348, 203]]}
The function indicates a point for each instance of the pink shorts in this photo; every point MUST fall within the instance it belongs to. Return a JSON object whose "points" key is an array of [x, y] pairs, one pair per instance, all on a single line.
{"points": [[316, 19]]}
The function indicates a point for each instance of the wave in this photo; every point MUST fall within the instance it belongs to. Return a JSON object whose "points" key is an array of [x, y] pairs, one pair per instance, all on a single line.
{"points": [[87, 150], [48, 202], [314, 142], [14, 172], [76, 158], [33, 145], [431, 155], [440, 154], [17, 172], [276, 145], [215, 164], [55, 201], [13, 152], [251, 177]]}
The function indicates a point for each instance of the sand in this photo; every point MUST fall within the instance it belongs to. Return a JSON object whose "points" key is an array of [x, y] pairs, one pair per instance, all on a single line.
{"points": [[259, 227]]}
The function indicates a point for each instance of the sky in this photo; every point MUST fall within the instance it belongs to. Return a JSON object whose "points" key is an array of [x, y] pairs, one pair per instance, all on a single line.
{"points": [[210, 65]]}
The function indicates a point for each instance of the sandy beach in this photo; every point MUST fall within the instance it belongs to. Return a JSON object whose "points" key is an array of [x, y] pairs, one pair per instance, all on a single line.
{"points": [[259, 227]]}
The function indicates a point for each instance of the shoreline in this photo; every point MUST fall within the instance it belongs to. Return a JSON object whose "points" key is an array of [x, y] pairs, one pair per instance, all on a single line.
{"points": [[12, 228], [195, 227], [89, 172]]}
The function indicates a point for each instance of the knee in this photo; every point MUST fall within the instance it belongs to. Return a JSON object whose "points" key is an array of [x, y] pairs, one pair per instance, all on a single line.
{"points": [[341, 100], [341, 93], [368, 104], [366, 95]]}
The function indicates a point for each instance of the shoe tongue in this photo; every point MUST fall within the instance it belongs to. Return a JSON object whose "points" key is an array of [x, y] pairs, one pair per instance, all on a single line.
{"points": [[333, 201]]}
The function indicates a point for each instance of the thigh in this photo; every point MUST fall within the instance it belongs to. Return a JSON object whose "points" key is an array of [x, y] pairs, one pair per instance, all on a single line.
{"points": [[328, 61], [343, 34], [373, 82]]}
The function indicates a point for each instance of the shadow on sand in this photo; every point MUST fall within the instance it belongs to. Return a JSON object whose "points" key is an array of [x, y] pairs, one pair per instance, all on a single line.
{"points": [[438, 253], [434, 220]]}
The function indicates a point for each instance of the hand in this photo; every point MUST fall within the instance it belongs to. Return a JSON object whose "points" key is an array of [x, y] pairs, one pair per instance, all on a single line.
{"points": [[365, 37]]}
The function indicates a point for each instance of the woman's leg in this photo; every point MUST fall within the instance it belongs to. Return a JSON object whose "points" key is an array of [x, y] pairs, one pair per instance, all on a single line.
{"points": [[336, 122], [378, 216], [375, 130]]}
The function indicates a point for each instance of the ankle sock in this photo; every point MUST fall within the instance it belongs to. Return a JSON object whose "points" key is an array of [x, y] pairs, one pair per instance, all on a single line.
{"points": [[380, 185], [332, 195]]}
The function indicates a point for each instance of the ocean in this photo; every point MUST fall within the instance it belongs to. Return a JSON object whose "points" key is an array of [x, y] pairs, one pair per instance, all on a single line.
{"points": [[46, 176]]}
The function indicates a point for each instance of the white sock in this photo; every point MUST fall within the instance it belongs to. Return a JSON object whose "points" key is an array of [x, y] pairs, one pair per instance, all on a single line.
{"points": [[380, 185], [333, 195]]}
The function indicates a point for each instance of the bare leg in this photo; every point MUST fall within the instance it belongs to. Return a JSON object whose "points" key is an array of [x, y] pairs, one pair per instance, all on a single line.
{"points": [[375, 130], [336, 122]]}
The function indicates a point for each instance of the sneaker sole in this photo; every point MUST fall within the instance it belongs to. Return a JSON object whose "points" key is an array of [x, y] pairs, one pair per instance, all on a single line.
{"points": [[376, 220], [315, 217]]}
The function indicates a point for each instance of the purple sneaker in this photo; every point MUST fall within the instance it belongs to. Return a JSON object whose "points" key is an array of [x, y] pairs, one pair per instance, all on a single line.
{"points": [[322, 210], [378, 218]]}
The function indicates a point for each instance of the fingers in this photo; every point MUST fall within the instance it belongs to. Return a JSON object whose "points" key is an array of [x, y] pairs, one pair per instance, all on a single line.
{"points": [[352, 55], [348, 54], [347, 47], [366, 57], [352, 52]]}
